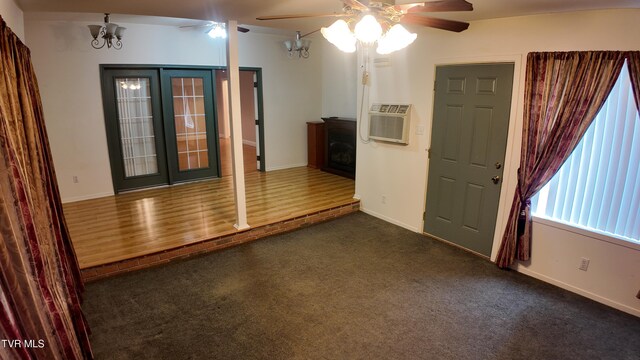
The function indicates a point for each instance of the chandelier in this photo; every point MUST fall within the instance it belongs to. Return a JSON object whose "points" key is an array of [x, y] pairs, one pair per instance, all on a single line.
{"points": [[110, 33], [368, 31], [298, 46]]}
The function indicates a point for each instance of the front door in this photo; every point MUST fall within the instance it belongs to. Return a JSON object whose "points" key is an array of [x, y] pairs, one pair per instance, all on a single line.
{"points": [[468, 142]]}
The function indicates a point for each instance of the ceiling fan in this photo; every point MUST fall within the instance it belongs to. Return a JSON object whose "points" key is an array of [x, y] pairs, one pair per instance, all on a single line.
{"points": [[391, 14], [214, 29]]}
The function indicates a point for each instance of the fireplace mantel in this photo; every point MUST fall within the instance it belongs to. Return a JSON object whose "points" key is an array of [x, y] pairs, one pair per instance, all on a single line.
{"points": [[340, 146]]}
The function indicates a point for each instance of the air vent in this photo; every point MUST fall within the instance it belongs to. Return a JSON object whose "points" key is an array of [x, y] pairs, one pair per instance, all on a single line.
{"points": [[390, 123]]}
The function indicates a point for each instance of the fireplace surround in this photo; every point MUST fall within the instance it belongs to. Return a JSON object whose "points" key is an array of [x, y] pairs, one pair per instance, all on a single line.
{"points": [[340, 146]]}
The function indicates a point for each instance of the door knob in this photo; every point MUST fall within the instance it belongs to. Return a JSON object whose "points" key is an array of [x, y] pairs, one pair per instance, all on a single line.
{"points": [[496, 179]]}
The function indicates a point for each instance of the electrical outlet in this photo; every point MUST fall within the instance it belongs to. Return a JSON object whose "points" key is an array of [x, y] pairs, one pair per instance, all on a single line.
{"points": [[384, 199], [420, 130], [584, 264], [75, 179]]}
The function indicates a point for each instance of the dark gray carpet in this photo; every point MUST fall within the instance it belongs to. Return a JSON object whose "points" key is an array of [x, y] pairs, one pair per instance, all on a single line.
{"points": [[352, 288]]}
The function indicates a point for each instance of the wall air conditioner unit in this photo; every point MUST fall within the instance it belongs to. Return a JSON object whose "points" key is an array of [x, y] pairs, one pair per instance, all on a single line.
{"points": [[390, 122]]}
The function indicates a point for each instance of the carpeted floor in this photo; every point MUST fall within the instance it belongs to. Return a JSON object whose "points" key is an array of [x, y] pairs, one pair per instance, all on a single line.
{"points": [[352, 288]]}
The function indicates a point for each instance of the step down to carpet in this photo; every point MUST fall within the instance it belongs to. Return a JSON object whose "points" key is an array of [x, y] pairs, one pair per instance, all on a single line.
{"points": [[217, 243]]}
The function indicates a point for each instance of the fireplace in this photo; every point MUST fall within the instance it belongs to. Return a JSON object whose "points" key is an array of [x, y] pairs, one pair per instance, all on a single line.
{"points": [[340, 146]]}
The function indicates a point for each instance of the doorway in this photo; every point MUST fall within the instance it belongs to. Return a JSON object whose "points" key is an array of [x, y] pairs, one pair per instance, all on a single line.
{"points": [[170, 124], [471, 113], [252, 135]]}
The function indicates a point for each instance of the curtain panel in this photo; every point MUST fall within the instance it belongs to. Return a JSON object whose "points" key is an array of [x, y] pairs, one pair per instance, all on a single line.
{"points": [[563, 93], [633, 61], [40, 284]]}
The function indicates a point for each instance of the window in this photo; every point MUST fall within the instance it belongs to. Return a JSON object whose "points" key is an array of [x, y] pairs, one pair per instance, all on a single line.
{"points": [[598, 187]]}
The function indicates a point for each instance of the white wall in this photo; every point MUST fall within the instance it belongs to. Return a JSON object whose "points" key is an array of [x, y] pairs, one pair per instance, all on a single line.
{"points": [[13, 16], [339, 81], [400, 172], [68, 73]]}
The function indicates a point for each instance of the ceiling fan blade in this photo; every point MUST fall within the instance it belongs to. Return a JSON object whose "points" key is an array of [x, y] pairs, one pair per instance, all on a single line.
{"points": [[297, 16], [435, 6], [209, 26], [195, 26], [443, 24], [355, 4]]}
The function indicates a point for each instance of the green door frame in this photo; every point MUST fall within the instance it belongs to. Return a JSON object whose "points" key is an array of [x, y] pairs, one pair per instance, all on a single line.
{"points": [[112, 128], [260, 112], [159, 68], [175, 174]]}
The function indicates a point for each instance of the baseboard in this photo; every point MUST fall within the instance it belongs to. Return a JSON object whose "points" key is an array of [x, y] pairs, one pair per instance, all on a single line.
{"points": [[86, 197], [250, 143], [272, 168], [388, 219], [573, 289]]}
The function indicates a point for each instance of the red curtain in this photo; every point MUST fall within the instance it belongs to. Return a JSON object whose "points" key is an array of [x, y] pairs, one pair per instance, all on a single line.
{"points": [[563, 93], [40, 280], [633, 60]]}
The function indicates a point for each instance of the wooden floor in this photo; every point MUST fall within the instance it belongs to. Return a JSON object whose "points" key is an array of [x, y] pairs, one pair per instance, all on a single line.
{"points": [[129, 225], [249, 156]]}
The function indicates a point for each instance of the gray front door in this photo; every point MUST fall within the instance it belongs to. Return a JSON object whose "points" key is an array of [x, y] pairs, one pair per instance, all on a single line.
{"points": [[468, 142]]}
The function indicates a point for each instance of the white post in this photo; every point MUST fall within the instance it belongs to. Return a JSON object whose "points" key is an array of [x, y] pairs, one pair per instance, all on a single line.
{"points": [[236, 125]]}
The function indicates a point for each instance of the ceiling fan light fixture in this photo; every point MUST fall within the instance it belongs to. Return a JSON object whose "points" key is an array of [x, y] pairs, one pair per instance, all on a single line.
{"points": [[339, 35], [218, 31], [374, 22], [395, 39], [368, 30]]}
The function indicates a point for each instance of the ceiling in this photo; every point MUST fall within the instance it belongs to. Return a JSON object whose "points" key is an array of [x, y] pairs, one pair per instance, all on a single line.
{"points": [[245, 11]]}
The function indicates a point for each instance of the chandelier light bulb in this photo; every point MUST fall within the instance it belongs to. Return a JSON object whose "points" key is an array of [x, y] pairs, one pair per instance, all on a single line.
{"points": [[289, 45], [368, 30], [395, 39]]}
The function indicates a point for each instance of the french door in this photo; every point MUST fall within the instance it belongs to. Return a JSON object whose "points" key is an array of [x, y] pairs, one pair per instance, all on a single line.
{"points": [[190, 126], [161, 126]]}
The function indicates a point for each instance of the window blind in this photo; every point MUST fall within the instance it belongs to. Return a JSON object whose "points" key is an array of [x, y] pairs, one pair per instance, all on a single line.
{"points": [[598, 187]]}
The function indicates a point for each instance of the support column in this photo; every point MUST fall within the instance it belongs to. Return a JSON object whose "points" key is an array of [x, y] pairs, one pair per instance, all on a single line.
{"points": [[236, 125]]}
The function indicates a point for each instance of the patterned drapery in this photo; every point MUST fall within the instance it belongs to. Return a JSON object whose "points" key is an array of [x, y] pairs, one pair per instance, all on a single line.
{"points": [[40, 284], [633, 60], [563, 93]]}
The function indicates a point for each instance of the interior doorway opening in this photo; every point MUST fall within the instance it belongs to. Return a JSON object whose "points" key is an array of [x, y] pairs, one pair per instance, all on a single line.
{"points": [[251, 104]]}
